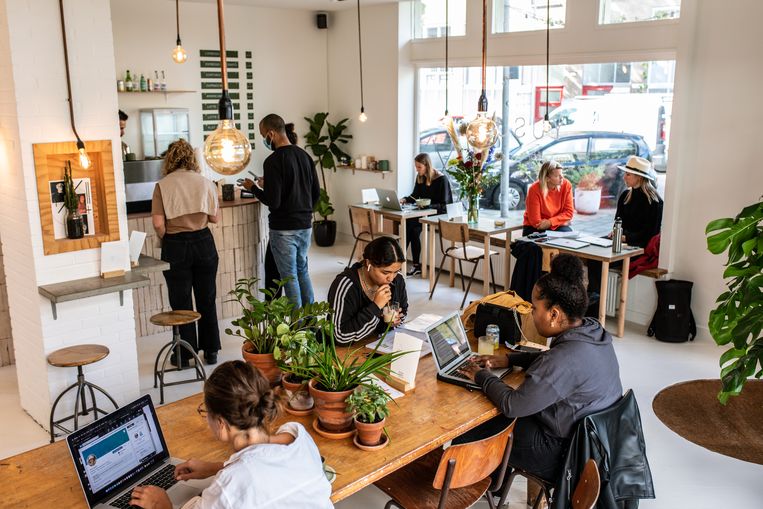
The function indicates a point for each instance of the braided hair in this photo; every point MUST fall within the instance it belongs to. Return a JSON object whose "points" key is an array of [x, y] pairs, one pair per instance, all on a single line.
{"points": [[565, 286], [237, 392]]}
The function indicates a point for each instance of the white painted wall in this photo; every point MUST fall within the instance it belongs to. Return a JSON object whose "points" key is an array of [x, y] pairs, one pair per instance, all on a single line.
{"points": [[289, 60]]}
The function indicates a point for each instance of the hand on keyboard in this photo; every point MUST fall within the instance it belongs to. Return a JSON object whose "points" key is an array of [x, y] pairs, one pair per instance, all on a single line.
{"points": [[150, 497], [469, 370]]}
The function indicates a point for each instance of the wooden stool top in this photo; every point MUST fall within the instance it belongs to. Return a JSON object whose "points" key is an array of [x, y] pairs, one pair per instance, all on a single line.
{"points": [[171, 318], [79, 355]]}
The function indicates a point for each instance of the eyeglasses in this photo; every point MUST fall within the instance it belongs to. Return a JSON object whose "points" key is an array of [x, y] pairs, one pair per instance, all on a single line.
{"points": [[202, 410]]}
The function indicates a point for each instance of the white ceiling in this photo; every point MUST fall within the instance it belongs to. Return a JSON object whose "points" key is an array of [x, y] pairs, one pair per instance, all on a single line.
{"points": [[311, 5]]}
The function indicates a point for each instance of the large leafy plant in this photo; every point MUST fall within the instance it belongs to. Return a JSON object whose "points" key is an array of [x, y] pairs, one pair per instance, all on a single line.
{"points": [[270, 325], [369, 403], [326, 149], [738, 318]]}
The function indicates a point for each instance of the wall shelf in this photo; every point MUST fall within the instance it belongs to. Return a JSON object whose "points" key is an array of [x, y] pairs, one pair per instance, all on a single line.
{"points": [[159, 92], [354, 169]]}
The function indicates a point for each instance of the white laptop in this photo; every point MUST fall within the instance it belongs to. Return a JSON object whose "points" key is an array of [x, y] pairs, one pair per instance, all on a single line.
{"points": [[389, 200], [123, 450], [451, 350]]}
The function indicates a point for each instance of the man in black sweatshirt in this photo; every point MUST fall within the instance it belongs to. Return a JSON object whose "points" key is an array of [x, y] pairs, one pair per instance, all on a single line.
{"points": [[290, 189]]}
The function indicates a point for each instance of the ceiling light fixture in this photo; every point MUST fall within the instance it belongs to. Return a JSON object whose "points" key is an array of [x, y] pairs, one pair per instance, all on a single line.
{"points": [[447, 31], [482, 132], [84, 159], [226, 150], [178, 54], [362, 117], [546, 122]]}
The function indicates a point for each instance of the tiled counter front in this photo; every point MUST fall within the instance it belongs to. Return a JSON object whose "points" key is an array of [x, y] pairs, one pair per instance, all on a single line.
{"points": [[240, 237], [6, 341]]}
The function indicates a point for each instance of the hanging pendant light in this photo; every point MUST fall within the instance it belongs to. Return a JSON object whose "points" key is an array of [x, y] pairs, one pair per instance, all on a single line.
{"points": [[362, 117], [482, 132], [447, 32], [84, 159], [226, 150], [546, 122], [178, 54]]}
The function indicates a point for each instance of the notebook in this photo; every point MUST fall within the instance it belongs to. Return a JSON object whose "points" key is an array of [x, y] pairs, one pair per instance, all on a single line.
{"points": [[125, 449], [597, 241], [451, 351], [568, 243]]}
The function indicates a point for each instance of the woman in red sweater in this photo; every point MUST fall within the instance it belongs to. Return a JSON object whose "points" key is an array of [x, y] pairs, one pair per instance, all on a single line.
{"points": [[548, 205]]}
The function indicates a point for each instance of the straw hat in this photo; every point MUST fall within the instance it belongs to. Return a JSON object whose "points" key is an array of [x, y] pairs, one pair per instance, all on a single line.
{"points": [[639, 166]]}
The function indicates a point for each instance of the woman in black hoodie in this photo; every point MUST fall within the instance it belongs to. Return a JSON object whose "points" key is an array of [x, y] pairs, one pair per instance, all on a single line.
{"points": [[577, 376], [359, 294]]}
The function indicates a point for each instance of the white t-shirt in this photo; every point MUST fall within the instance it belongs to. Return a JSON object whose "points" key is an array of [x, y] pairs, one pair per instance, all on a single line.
{"points": [[270, 475]]}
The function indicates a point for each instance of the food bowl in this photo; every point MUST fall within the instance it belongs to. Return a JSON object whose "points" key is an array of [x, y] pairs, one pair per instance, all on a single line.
{"points": [[423, 203]]}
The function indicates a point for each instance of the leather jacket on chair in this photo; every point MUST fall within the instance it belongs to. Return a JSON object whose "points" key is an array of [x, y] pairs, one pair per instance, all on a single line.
{"points": [[615, 440]]}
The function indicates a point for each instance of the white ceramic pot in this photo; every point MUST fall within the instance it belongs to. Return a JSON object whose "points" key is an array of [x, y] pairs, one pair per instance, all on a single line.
{"points": [[587, 200]]}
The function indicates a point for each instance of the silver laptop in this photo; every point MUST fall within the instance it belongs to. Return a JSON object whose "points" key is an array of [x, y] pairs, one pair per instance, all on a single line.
{"points": [[389, 200], [123, 450], [451, 350]]}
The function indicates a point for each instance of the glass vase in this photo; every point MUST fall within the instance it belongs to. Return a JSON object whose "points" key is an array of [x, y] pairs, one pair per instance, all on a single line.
{"points": [[75, 228], [472, 208]]}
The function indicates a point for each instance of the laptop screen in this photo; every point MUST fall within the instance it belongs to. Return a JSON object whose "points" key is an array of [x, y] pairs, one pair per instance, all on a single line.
{"points": [[448, 340], [118, 449]]}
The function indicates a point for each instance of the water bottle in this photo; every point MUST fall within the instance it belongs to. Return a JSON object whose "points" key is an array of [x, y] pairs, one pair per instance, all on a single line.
{"points": [[617, 236], [493, 332]]}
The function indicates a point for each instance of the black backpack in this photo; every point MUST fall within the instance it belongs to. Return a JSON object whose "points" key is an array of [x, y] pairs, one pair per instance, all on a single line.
{"points": [[673, 320], [507, 320]]}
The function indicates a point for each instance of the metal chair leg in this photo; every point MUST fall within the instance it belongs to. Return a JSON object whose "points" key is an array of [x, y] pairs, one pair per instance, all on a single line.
{"points": [[492, 275], [469, 286], [352, 254], [461, 269], [53, 411], [436, 279]]}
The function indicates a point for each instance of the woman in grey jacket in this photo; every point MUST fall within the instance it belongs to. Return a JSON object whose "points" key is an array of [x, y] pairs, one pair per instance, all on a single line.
{"points": [[577, 376]]}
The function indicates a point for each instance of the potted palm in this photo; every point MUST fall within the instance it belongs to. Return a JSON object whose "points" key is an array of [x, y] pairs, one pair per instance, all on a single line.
{"points": [[369, 407], [75, 225], [325, 148]]}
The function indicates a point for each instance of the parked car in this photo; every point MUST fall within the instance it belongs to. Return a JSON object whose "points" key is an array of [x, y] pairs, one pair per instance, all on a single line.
{"points": [[573, 150]]}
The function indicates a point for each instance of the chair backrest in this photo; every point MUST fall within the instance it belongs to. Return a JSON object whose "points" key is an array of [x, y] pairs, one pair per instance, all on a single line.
{"points": [[474, 461], [363, 220], [454, 232], [587, 491]]}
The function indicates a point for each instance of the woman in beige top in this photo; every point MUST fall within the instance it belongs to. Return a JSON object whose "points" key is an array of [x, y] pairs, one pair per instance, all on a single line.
{"points": [[184, 202]]}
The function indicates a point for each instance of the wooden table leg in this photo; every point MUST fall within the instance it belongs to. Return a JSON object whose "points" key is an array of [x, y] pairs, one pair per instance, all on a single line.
{"points": [[603, 293], [424, 241], [404, 268], [623, 297], [507, 263], [453, 269], [486, 267], [432, 261]]}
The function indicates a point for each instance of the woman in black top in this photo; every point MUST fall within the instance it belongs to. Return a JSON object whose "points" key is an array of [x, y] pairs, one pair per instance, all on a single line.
{"points": [[639, 207], [431, 184], [358, 295]]}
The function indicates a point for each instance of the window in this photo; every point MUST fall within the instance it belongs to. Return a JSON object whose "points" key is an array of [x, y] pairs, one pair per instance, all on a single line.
{"points": [[429, 18], [627, 11], [566, 152], [612, 148], [526, 15]]}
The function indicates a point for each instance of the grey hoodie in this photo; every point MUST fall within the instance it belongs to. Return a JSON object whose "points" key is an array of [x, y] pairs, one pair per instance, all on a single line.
{"points": [[577, 376]]}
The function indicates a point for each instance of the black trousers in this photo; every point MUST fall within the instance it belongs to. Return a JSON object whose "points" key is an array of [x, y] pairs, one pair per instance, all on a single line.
{"points": [[271, 270], [534, 449], [413, 238], [193, 268]]}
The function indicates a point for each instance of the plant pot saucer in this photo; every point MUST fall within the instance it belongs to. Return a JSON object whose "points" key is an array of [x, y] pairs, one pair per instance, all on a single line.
{"points": [[298, 413], [332, 435], [381, 445]]}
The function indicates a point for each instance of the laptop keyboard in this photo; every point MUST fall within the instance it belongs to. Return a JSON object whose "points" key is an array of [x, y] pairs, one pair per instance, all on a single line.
{"points": [[163, 478]]}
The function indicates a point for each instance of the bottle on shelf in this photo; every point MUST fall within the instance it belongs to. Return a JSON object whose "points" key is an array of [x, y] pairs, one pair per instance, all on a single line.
{"points": [[157, 84], [143, 84], [128, 82], [163, 83], [149, 84]]}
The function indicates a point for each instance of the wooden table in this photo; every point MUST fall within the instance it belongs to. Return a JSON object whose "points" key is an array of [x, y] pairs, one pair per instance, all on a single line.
{"points": [[485, 228], [606, 257], [400, 216], [422, 420]]}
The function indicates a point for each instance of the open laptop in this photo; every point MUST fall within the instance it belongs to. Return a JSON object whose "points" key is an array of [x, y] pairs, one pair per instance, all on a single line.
{"points": [[451, 350], [389, 200], [123, 450]]}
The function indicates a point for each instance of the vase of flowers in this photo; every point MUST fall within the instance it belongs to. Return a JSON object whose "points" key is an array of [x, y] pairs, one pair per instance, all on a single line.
{"points": [[75, 225]]}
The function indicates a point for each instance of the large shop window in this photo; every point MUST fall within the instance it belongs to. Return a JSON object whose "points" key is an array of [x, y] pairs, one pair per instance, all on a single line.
{"points": [[429, 18], [599, 114], [627, 11], [526, 15]]}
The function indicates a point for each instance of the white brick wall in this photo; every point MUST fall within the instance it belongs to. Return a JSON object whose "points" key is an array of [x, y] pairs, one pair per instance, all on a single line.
{"points": [[33, 109]]}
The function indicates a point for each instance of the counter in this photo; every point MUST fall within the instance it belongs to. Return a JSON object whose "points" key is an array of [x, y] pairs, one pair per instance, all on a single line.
{"points": [[240, 237]]}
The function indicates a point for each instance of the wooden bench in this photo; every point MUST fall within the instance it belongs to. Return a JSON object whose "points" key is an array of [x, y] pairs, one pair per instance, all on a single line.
{"points": [[653, 273]]}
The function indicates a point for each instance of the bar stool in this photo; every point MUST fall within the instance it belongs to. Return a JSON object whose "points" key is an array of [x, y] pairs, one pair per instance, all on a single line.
{"points": [[175, 319], [78, 356]]}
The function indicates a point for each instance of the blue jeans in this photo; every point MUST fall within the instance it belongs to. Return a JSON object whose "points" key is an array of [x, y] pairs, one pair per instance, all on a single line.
{"points": [[290, 251]]}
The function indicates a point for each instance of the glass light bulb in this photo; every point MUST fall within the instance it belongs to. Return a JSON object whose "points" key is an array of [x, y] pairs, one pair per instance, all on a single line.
{"points": [[179, 55], [363, 117], [84, 160], [547, 126], [482, 132], [227, 150]]}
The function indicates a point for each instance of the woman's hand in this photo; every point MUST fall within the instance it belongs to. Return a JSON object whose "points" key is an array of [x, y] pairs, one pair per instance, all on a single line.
{"points": [[196, 469], [150, 497], [492, 361], [544, 224], [382, 296]]}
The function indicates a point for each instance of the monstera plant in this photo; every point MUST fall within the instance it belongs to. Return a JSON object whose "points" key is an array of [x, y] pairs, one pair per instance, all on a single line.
{"points": [[738, 318]]}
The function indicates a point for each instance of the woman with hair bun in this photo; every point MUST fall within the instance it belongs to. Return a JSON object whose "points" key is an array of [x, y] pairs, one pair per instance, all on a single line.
{"points": [[281, 469], [577, 376]]}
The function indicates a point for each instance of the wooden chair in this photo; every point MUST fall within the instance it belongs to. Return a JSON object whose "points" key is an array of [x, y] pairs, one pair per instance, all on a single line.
{"points": [[587, 491], [454, 478], [364, 228], [459, 233]]}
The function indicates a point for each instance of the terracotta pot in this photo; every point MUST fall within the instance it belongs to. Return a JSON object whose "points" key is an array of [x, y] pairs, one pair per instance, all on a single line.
{"points": [[370, 434], [299, 397], [265, 362], [331, 408]]}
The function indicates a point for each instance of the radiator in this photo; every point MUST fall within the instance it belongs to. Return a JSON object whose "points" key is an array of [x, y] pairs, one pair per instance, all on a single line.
{"points": [[613, 293]]}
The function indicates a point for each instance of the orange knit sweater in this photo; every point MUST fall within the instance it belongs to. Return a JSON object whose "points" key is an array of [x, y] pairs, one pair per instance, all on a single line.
{"points": [[556, 206]]}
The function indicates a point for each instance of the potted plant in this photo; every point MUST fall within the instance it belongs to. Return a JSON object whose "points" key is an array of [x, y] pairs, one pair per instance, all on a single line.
{"points": [[738, 318], [369, 406], [325, 148], [75, 225], [587, 184], [335, 377], [264, 322]]}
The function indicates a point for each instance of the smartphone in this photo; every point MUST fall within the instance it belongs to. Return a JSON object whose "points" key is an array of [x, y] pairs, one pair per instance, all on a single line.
{"points": [[522, 348]]}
